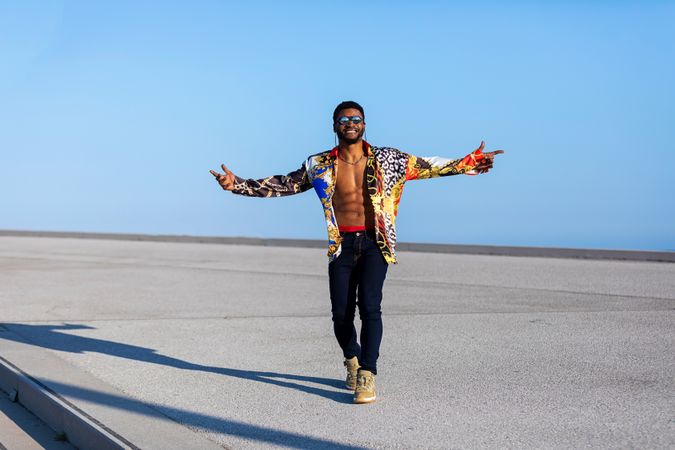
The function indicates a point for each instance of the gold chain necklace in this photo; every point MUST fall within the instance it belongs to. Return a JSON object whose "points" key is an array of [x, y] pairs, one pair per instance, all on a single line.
{"points": [[351, 163]]}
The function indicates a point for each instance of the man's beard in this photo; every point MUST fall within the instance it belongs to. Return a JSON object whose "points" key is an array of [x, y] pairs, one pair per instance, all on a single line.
{"points": [[351, 140]]}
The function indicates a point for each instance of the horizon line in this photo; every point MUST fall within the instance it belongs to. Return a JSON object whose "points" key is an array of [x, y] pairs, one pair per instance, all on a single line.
{"points": [[470, 249]]}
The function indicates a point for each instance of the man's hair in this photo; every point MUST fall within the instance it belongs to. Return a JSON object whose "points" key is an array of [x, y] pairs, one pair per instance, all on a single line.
{"points": [[346, 105]]}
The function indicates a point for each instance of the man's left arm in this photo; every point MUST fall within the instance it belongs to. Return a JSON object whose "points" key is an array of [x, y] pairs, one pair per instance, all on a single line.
{"points": [[421, 167]]}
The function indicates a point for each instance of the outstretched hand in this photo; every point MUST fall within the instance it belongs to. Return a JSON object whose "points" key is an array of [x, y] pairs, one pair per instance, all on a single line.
{"points": [[226, 179], [489, 158]]}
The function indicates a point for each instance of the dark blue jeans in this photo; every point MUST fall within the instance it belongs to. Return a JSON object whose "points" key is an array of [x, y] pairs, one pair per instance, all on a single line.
{"points": [[356, 278]]}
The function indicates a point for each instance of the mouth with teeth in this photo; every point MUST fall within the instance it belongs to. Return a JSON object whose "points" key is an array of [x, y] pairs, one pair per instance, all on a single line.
{"points": [[351, 134]]}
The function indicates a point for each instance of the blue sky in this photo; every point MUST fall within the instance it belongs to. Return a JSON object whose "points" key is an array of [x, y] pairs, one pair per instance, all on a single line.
{"points": [[112, 114]]}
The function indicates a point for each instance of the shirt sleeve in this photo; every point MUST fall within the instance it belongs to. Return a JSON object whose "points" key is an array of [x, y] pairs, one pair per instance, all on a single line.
{"points": [[274, 186], [421, 167]]}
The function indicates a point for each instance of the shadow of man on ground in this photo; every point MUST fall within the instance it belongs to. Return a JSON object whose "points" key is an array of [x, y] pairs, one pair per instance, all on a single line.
{"points": [[52, 337]]}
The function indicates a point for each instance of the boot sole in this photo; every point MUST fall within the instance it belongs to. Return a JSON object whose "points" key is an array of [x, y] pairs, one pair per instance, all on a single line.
{"points": [[361, 401]]}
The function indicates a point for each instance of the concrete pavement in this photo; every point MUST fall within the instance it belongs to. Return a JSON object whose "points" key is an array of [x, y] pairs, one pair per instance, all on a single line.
{"points": [[184, 345]]}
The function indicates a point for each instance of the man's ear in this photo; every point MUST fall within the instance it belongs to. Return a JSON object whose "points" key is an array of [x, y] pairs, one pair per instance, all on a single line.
{"points": [[334, 127]]}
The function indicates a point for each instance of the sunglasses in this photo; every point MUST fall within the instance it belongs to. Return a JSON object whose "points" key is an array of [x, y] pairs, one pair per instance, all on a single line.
{"points": [[344, 120]]}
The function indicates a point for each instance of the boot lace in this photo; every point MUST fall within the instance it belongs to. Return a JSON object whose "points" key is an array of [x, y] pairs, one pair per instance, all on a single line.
{"points": [[365, 383]]}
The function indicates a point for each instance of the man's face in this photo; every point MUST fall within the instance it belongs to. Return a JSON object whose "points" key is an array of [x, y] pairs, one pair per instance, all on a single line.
{"points": [[350, 132]]}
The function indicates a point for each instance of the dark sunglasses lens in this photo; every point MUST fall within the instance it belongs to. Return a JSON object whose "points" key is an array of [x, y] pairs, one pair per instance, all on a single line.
{"points": [[344, 120]]}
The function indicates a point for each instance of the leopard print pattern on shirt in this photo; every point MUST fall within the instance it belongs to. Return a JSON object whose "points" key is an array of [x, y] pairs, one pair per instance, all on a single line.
{"points": [[392, 163]]}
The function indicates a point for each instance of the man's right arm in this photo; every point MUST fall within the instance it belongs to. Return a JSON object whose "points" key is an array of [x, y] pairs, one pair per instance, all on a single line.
{"points": [[273, 186]]}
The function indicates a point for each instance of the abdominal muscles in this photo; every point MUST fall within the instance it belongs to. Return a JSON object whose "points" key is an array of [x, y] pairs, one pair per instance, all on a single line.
{"points": [[353, 207]]}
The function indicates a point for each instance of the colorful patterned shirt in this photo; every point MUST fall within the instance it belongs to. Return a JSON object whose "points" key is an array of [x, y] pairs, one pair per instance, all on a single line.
{"points": [[387, 170]]}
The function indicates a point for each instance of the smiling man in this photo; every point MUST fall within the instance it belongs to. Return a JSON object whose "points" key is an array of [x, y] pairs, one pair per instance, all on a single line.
{"points": [[360, 187]]}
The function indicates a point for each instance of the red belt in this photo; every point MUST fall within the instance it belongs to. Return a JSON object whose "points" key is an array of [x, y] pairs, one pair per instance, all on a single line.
{"points": [[349, 229]]}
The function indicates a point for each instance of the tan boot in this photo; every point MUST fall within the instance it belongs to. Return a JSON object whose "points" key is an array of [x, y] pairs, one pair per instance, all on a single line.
{"points": [[365, 387], [352, 366]]}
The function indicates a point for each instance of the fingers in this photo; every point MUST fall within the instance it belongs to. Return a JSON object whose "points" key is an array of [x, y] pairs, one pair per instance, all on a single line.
{"points": [[219, 176], [487, 162], [491, 155], [225, 180]]}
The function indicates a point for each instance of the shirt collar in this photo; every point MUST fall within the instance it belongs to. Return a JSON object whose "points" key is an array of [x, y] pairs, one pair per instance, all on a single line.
{"points": [[333, 153]]}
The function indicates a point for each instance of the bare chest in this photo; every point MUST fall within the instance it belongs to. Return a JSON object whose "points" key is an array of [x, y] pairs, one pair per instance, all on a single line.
{"points": [[350, 179]]}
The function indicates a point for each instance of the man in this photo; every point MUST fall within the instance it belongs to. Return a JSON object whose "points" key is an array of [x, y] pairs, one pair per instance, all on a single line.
{"points": [[360, 187]]}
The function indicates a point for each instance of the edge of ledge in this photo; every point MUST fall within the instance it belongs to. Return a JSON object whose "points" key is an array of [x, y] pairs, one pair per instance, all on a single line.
{"points": [[82, 430], [91, 413]]}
